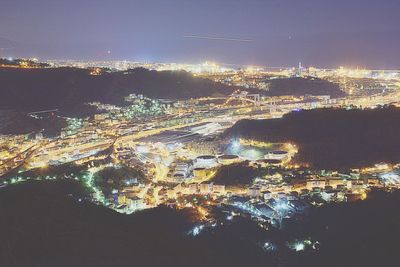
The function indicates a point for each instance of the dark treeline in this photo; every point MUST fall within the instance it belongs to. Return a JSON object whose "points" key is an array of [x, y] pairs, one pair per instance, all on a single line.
{"points": [[298, 86], [332, 138]]}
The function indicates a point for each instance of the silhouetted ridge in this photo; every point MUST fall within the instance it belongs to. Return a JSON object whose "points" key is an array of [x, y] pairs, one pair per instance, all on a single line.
{"points": [[69, 88], [298, 86], [332, 138]]}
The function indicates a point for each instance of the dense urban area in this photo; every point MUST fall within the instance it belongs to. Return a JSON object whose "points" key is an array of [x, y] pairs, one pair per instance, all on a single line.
{"points": [[254, 147]]}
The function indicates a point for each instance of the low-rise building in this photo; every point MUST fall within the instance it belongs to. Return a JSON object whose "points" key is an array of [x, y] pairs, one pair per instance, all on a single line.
{"points": [[206, 188], [219, 189], [315, 183]]}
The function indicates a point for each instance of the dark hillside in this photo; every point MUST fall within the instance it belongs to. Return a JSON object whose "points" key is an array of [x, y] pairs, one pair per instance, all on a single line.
{"points": [[298, 86], [68, 88], [332, 138]]}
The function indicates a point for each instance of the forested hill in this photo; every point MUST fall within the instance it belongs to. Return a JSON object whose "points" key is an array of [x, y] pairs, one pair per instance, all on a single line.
{"points": [[299, 86], [31, 89], [47, 88], [332, 138]]}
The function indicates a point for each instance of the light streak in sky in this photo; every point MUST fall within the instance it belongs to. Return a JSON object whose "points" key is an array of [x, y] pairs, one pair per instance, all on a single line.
{"points": [[217, 38]]}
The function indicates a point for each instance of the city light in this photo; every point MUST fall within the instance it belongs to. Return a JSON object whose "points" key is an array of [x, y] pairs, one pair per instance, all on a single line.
{"points": [[196, 230], [299, 246], [200, 133]]}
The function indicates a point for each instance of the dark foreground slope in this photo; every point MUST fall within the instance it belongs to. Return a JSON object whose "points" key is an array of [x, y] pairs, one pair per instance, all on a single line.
{"points": [[363, 233], [68, 88], [332, 138], [41, 225]]}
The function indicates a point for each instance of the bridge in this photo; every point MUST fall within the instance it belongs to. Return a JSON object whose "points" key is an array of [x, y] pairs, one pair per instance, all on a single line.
{"points": [[43, 111], [244, 96]]}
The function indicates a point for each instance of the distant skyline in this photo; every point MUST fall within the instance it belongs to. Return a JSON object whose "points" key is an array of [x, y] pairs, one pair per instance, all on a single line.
{"points": [[321, 33]]}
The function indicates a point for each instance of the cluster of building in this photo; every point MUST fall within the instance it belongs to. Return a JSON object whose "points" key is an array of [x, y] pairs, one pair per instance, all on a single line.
{"points": [[172, 142], [14, 149], [214, 68]]}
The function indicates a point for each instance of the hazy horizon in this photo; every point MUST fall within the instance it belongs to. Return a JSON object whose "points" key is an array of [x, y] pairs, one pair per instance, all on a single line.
{"points": [[268, 33]]}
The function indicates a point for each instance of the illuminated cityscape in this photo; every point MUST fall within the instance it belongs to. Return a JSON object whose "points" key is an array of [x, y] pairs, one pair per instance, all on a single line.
{"points": [[173, 160], [177, 148]]}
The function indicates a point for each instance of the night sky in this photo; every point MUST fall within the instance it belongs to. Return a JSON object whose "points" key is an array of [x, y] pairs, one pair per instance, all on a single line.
{"points": [[325, 33]]}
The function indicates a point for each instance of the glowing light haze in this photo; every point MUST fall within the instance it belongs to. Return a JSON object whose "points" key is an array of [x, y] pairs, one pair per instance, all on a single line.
{"points": [[273, 32]]}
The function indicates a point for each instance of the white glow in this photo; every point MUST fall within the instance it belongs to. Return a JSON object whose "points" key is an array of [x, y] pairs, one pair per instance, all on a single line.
{"points": [[196, 230], [299, 246], [235, 144]]}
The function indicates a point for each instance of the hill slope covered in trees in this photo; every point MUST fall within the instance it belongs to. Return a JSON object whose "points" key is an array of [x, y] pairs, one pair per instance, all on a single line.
{"points": [[68, 88], [332, 138]]}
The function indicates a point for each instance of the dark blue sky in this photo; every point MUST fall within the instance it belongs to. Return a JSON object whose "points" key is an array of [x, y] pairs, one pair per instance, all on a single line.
{"points": [[283, 32]]}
